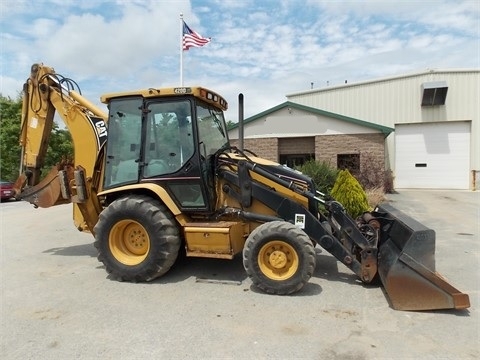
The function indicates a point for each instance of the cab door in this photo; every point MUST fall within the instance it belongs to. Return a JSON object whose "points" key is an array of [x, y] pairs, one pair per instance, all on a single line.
{"points": [[212, 137], [123, 158], [171, 158]]}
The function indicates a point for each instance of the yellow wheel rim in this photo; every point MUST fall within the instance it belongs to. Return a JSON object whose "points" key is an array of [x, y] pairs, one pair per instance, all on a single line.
{"points": [[129, 242], [278, 260]]}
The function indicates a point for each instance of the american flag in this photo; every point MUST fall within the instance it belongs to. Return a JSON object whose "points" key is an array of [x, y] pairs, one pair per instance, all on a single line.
{"points": [[192, 38]]}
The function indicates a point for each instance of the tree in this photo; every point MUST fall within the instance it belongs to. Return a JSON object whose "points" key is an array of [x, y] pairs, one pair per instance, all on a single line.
{"points": [[10, 113], [60, 144], [348, 191], [230, 124]]}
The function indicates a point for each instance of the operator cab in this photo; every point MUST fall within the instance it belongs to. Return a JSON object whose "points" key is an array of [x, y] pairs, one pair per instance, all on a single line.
{"points": [[167, 137]]}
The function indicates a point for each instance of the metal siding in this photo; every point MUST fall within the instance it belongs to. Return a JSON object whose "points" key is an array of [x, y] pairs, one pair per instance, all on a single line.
{"points": [[389, 102], [397, 100]]}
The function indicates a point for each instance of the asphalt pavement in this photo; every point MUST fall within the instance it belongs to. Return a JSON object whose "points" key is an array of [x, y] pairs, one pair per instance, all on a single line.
{"points": [[57, 301]]}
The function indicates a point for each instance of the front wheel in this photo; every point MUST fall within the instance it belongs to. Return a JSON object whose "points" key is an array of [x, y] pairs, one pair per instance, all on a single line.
{"points": [[279, 258], [137, 239]]}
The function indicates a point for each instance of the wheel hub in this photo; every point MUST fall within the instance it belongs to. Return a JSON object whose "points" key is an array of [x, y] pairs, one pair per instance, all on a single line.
{"points": [[129, 242], [278, 259], [136, 241]]}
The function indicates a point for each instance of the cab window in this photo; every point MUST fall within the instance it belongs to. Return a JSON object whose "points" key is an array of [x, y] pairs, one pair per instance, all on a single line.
{"points": [[169, 137]]}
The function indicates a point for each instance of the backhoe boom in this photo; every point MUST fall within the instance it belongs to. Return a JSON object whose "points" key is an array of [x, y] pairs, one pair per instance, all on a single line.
{"points": [[46, 93]]}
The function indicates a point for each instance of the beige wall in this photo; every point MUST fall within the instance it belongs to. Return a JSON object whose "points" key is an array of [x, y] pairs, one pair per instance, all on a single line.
{"points": [[290, 122]]}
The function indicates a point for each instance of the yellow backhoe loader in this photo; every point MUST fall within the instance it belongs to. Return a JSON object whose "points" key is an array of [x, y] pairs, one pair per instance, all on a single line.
{"points": [[158, 174]]}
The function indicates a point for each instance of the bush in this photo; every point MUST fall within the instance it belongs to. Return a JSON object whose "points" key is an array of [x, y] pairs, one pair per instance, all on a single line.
{"points": [[388, 182], [373, 176], [322, 174], [375, 196], [348, 191], [372, 172]]}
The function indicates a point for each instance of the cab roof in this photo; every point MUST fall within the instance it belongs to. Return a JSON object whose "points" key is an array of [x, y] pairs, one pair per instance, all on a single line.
{"points": [[197, 91]]}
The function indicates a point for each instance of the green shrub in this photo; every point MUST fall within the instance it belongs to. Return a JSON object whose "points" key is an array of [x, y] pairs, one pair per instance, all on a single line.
{"points": [[348, 191], [322, 174]]}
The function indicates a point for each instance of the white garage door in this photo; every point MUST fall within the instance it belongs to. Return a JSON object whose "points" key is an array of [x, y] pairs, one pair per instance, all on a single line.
{"points": [[432, 156]]}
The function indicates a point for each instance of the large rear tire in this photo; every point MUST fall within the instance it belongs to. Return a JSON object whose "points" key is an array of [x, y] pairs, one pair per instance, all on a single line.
{"points": [[137, 239], [279, 258]]}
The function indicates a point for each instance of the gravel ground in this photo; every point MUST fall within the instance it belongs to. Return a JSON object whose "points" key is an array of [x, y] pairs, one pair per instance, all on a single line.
{"points": [[57, 301]]}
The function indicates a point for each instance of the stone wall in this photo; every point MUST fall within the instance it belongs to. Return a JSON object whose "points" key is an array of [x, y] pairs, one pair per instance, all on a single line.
{"points": [[266, 148], [327, 147], [300, 145]]}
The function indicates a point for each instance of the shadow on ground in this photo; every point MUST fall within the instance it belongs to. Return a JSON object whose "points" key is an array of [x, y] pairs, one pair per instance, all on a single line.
{"points": [[223, 271], [75, 250], [327, 269]]}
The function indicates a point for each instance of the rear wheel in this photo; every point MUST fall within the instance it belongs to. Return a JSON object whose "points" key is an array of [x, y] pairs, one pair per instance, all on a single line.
{"points": [[137, 239], [279, 258]]}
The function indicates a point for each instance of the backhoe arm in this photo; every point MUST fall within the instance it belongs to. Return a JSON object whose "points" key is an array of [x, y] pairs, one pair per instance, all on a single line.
{"points": [[45, 93]]}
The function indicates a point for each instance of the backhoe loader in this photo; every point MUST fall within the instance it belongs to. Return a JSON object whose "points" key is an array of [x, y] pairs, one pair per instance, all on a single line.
{"points": [[157, 175]]}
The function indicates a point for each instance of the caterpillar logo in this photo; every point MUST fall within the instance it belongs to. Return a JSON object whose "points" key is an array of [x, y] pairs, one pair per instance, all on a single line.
{"points": [[101, 129]]}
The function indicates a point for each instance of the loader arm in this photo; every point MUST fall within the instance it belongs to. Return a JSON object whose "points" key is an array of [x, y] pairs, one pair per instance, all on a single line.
{"points": [[45, 93], [383, 242], [287, 209]]}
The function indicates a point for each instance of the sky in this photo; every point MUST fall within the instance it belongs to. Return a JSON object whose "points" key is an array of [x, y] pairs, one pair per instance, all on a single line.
{"points": [[263, 49]]}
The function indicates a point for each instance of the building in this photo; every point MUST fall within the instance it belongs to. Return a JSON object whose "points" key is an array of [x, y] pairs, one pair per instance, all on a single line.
{"points": [[425, 125], [291, 133]]}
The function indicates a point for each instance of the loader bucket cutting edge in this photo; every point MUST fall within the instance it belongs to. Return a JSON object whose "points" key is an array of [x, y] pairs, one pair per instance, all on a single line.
{"points": [[406, 266]]}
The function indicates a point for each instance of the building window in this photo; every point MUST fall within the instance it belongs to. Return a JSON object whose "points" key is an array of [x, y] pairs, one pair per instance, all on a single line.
{"points": [[295, 160], [350, 162]]}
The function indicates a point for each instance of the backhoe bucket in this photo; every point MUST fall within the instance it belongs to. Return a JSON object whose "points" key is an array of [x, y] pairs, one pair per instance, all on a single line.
{"points": [[48, 192], [406, 265]]}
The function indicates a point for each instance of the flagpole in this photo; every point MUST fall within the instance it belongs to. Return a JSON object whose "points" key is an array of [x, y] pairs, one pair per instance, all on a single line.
{"points": [[181, 49]]}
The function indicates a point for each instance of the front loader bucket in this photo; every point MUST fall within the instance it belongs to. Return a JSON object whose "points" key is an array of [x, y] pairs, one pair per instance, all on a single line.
{"points": [[406, 265]]}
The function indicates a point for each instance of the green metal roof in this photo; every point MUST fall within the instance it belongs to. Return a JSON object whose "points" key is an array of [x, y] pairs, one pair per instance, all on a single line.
{"points": [[288, 104]]}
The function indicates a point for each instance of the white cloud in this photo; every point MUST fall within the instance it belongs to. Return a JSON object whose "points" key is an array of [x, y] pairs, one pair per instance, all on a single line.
{"points": [[263, 49]]}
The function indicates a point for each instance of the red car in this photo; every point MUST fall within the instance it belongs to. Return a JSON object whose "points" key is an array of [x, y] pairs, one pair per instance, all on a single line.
{"points": [[6, 190]]}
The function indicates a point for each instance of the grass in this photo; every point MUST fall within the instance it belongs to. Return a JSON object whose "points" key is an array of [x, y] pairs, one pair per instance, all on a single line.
{"points": [[375, 196]]}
